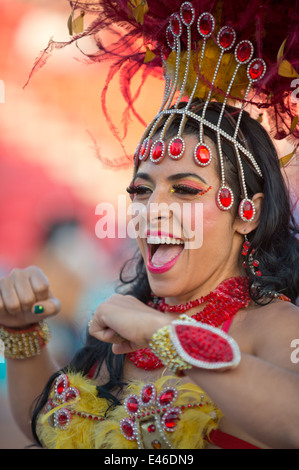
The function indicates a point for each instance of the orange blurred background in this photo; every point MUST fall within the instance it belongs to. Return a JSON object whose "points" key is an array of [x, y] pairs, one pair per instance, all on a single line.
{"points": [[50, 177]]}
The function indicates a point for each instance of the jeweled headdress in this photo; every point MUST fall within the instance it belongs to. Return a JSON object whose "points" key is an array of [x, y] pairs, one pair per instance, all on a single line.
{"points": [[223, 51], [243, 52]]}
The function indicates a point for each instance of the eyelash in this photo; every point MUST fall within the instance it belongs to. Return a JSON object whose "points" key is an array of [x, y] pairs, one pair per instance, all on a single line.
{"points": [[184, 189], [137, 190], [177, 188]]}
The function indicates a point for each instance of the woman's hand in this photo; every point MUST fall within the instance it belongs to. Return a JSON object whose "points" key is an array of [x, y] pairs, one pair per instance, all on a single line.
{"points": [[25, 298], [126, 322]]}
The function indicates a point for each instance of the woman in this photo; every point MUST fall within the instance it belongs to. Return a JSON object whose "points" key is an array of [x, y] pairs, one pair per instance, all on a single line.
{"points": [[263, 333], [148, 378]]}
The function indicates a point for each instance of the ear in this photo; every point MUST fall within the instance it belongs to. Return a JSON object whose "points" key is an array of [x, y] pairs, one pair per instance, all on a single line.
{"points": [[243, 227]]}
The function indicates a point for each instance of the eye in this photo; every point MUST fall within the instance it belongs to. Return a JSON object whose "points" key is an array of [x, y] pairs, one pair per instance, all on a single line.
{"points": [[138, 190], [184, 189]]}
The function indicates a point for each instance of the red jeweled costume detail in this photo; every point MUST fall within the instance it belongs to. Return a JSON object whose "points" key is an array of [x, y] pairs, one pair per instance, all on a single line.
{"points": [[221, 305]]}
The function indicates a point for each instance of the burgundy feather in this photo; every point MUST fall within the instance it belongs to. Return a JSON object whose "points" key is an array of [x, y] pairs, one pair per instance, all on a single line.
{"points": [[267, 23]]}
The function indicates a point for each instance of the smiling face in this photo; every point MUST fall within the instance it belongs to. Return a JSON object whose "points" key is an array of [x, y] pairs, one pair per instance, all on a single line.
{"points": [[179, 199]]}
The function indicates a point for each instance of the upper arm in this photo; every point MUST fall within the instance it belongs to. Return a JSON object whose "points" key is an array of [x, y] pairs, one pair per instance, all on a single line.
{"points": [[277, 338]]}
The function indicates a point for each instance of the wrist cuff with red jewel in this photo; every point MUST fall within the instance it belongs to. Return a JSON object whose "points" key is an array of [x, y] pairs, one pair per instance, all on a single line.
{"points": [[186, 343]]}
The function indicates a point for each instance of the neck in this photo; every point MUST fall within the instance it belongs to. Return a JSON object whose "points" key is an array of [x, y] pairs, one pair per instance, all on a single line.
{"points": [[205, 288]]}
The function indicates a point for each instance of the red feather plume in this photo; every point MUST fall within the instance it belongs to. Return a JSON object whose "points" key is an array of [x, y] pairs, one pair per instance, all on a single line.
{"points": [[267, 24]]}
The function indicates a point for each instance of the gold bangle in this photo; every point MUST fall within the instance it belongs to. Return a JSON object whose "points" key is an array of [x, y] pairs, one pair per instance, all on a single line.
{"points": [[25, 343], [162, 346]]}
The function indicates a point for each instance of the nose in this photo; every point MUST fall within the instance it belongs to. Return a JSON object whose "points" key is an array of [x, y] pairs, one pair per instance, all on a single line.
{"points": [[158, 207]]}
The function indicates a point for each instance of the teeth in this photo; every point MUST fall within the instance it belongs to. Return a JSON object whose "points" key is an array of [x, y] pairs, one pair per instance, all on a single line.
{"points": [[164, 240]]}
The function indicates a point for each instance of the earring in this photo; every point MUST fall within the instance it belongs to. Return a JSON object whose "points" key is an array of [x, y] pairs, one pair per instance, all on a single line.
{"points": [[253, 264]]}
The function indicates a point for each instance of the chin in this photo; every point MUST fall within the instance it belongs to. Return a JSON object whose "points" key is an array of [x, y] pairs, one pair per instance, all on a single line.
{"points": [[167, 287]]}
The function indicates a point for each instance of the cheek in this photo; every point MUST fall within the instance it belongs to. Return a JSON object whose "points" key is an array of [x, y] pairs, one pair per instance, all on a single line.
{"points": [[207, 221], [200, 216], [217, 228]]}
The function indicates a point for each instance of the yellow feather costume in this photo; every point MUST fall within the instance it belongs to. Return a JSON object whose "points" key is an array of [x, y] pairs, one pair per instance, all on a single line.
{"points": [[93, 425]]}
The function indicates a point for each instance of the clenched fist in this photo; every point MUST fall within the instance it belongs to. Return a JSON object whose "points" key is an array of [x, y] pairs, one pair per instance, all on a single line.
{"points": [[126, 322], [25, 298]]}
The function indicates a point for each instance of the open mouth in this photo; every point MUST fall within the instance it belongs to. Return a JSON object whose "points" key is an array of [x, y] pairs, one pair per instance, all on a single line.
{"points": [[163, 252]]}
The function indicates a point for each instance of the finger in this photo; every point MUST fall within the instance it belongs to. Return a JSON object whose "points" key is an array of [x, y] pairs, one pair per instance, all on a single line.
{"points": [[122, 348], [99, 329], [106, 335], [24, 292], [9, 297], [46, 308], [118, 338], [40, 284]]}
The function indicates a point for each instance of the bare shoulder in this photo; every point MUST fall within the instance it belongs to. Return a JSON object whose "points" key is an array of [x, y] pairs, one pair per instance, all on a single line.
{"points": [[271, 332]]}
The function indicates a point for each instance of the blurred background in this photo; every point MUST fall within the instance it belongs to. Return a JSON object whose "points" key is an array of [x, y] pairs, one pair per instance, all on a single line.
{"points": [[51, 178]]}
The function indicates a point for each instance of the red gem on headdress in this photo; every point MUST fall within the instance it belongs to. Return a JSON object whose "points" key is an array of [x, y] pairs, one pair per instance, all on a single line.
{"points": [[158, 150], [187, 13], [175, 25], [244, 51], [226, 37], [205, 24], [170, 38], [202, 155], [144, 149], [256, 69], [176, 148], [225, 198]]}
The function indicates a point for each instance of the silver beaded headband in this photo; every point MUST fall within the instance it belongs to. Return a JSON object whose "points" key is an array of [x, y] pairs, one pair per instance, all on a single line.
{"points": [[170, 108]]}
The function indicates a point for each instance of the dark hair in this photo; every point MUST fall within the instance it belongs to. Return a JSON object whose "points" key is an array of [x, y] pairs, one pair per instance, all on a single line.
{"points": [[274, 242]]}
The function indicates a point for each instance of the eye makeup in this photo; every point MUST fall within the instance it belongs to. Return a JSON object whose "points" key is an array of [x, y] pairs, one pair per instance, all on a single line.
{"points": [[185, 185], [188, 188], [138, 189]]}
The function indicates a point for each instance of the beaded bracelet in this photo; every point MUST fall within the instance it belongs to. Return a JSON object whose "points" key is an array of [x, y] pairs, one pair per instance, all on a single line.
{"points": [[26, 343], [163, 348], [186, 343]]}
